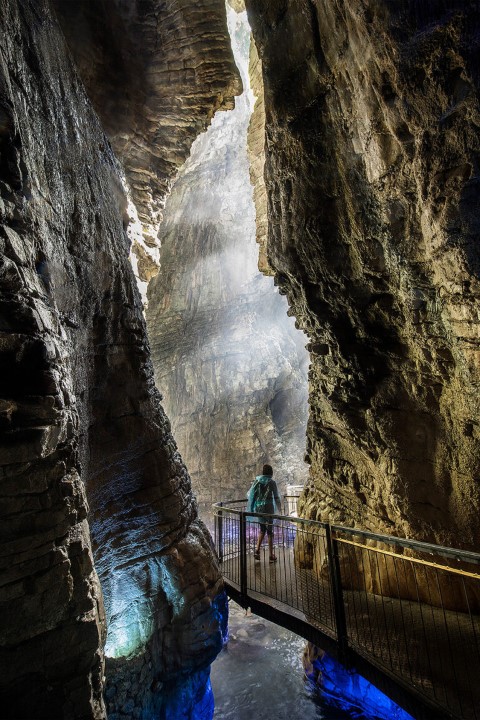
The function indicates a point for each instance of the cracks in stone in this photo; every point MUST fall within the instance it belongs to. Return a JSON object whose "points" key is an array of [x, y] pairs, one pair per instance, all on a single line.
{"points": [[317, 42]]}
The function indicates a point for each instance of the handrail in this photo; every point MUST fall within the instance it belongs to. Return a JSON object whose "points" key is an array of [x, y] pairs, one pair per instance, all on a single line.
{"points": [[414, 619], [250, 513], [430, 548], [408, 558]]}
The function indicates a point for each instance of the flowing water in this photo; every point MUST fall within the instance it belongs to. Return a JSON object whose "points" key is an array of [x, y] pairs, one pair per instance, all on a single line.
{"points": [[259, 675]]}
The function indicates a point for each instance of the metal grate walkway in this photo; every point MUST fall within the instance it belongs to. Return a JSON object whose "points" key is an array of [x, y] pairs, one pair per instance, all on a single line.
{"points": [[404, 614]]}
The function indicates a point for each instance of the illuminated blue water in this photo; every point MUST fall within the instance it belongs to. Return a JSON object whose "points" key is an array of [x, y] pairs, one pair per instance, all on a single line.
{"points": [[259, 676]]}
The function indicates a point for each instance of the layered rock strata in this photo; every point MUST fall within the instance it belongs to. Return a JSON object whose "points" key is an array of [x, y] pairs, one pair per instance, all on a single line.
{"points": [[81, 418], [156, 72], [228, 360], [371, 141]]}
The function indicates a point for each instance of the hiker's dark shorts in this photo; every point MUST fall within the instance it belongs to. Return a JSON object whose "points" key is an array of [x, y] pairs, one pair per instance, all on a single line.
{"points": [[267, 527]]}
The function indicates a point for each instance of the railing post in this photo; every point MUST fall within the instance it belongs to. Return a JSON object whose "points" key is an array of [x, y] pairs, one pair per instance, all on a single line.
{"points": [[243, 557], [338, 603], [219, 519]]}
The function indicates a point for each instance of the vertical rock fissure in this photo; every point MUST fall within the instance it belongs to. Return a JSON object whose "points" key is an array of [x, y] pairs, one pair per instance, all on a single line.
{"points": [[228, 360]]}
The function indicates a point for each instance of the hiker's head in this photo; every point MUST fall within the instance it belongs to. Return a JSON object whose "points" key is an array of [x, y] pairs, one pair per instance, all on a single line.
{"points": [[267, 470]]}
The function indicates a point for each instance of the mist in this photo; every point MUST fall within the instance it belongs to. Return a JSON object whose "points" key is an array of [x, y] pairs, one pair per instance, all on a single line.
{"points": [[229, 361]]}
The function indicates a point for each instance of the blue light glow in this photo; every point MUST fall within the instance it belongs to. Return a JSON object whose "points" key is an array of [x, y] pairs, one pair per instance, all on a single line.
{"points": [[220, 610], [351, 692], [190, 699], [129, 615], [131, 609]]}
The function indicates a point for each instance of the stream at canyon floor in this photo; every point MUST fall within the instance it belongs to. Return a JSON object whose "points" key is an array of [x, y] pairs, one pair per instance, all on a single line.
{"points": [[259, 675]]}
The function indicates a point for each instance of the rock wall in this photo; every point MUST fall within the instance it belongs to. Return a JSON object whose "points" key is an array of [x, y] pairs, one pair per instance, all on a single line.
{"points": [[372, 144], [156, 72], [80, 415], [227, 358], [256, 158]]}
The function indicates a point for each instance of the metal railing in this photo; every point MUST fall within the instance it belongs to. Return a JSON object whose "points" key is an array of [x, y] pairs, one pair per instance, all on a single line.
{"points": [[405, 609]]}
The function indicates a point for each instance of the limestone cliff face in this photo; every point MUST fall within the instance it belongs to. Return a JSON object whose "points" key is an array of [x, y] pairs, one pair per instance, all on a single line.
{"points": [[372, 117], [80, 415], [156, 72], [227, 358]]}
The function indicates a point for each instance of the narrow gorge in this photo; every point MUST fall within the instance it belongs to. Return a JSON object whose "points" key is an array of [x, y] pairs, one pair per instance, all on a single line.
{"points": [[228, 360], [271, 257]]}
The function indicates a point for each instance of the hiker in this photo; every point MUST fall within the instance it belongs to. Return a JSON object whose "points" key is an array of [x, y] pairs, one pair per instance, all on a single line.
{"points": [[262, 498]]}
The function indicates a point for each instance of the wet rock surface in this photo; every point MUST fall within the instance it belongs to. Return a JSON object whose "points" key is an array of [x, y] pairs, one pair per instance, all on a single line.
{"points": [[371, 171], [228, 360], [92, 484], [156, 72]]}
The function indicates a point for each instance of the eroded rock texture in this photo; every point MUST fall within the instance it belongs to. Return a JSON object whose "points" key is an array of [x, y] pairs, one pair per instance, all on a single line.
{"points": [[156, 72], [52, 622], [256, 158], [372, 144], [227, 358], [80, 414]]}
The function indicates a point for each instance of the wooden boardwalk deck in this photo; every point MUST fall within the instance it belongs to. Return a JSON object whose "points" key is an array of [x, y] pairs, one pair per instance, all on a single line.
{"points": [[433, 651]]}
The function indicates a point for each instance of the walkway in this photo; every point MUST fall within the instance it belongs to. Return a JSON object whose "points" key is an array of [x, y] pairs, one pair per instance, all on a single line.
{"points": [[406, 615]]}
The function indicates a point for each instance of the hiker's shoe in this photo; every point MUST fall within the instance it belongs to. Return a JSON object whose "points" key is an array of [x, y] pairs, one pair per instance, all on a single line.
{"points": [[272, 559], [256, 556]]}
